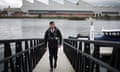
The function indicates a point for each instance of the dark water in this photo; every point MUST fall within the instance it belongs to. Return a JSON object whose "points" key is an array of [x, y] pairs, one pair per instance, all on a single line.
{"points": [[35, 28]]}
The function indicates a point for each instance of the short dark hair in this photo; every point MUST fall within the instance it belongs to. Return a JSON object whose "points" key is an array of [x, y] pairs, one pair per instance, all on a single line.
{"points": [[52, 22]]}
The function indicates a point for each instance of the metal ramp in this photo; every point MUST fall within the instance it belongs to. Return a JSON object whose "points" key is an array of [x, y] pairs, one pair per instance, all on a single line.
{"points": [[63, 64]]}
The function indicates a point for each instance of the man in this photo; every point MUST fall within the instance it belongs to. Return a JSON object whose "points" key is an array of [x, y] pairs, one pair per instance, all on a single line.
{"points": [[53, 39]]}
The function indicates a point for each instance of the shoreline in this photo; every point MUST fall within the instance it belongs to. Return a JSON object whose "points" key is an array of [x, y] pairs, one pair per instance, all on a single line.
{"points": [[69, 18]]}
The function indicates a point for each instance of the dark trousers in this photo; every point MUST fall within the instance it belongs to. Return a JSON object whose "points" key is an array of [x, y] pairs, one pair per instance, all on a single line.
{"points": [[53, 51]]}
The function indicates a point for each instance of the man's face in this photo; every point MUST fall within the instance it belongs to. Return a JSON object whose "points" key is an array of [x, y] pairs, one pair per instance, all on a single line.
{"points": [[52, 25]]}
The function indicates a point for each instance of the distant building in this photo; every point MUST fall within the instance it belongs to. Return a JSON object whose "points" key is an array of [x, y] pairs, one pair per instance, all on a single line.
{"points": [[55, 9], [12, 11], [18, 14], [80, 8], [110, 13], [3, 13], [0, 12]]}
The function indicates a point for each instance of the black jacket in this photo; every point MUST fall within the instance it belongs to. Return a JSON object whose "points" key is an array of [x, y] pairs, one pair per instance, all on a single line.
{"points": [[57, 34]]}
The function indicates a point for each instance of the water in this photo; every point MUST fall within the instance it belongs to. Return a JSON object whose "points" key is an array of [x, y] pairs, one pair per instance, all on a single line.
{"points": [[35, 28]]}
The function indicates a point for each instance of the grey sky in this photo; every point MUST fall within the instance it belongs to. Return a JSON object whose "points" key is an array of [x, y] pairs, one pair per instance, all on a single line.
{"points": [[18, 3]]}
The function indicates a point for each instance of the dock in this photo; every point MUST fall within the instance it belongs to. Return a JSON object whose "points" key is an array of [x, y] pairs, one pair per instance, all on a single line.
{"points": [[71, 57], [63, 63]]}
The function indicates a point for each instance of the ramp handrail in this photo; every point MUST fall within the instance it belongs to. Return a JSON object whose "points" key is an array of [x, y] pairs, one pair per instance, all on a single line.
{"points": [[81, 58], [27, 54]]}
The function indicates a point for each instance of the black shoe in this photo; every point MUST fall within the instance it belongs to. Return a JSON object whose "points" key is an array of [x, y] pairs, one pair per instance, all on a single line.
{"points": [[55, 65], [51, 70]]}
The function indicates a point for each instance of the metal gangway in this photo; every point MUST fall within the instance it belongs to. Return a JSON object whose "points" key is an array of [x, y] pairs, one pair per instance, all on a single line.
{"points": [[30, 56]]}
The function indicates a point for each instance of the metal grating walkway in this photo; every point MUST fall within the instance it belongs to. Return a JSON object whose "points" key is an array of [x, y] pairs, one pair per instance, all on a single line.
{"points": [[63, 63]]}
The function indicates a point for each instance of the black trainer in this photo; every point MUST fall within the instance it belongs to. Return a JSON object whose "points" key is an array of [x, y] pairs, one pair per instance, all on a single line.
{"points": [[51, 70], [55, 65]]}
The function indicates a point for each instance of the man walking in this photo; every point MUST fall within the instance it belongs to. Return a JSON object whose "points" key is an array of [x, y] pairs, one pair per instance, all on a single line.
{"points": [[53, 39]]}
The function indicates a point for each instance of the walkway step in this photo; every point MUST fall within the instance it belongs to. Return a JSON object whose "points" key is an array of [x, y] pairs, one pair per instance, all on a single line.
{"points": [[63, 63]]}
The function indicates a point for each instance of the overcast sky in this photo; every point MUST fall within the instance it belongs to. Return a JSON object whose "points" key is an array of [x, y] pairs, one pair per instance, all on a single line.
{"points": [[18, 3]]}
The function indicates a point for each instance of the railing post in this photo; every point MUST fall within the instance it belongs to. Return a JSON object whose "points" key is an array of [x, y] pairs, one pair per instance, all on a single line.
{"points": [[97, 55], [23, 59], [7, 53], [18, 58], [34, 60], [27, 58], [38, 42], [35, 52], [40, 52], [77, 56], [115, 58], [87, 61], [83, 62], [20, 66], [82, 57], [31, 53]]}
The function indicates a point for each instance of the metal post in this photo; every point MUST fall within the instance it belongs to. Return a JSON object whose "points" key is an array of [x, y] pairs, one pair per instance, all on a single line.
{"points": [[35, 51], [18, 58], [39, 51], [27, 58], [83, 58], [77, 56], [31, 53], [7, 53], [36, 41], [97, 55], [87, 61], [115, 58], [34, 60]]}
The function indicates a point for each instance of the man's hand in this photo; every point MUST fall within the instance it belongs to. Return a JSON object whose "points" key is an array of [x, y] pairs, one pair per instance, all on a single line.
{"points": [[59, 46], [45, 49]]}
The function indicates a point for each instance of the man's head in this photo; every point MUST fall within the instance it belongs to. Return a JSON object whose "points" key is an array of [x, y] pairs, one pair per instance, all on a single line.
{"points": [[52, 24]]}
